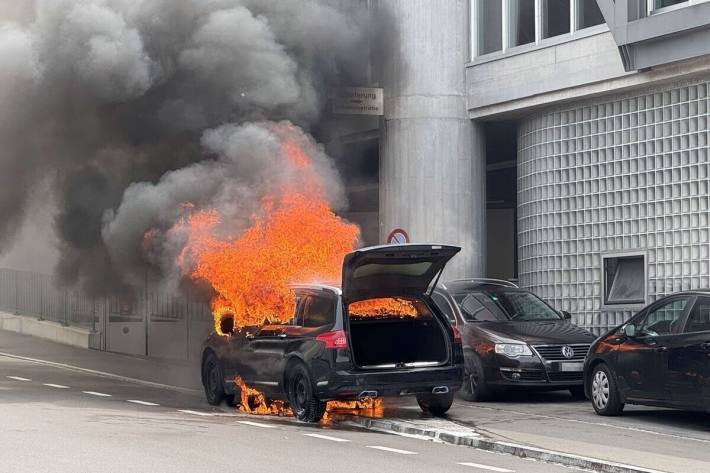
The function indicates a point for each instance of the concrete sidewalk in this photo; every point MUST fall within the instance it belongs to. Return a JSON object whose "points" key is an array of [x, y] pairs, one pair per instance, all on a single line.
{"points": [[179, 374]]}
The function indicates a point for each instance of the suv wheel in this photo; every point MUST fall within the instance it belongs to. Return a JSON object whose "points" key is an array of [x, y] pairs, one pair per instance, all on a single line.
{"points": [[212, 380], [305, 405], [605, 395], [474, 387], [435, 404]]}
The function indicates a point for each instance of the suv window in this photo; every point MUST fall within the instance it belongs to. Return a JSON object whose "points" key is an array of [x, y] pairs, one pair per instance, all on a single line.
{"points": [[476, 307], [318, 311], [443, 304], [699, 318], [663, 319]]}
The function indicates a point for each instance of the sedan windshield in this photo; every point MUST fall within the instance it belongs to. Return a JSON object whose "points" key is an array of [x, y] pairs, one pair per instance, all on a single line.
{"points": [[504, 304]]}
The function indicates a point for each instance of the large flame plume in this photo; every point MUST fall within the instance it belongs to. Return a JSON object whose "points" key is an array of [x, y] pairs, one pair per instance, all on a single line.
{"points": [[294, 238]]}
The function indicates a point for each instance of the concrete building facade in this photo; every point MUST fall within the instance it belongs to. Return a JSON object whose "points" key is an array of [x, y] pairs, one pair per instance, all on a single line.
{"points": [[563, 143]]}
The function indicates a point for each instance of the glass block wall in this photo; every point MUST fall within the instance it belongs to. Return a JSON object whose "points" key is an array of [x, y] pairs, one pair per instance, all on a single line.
{"points": [[627, 174]]}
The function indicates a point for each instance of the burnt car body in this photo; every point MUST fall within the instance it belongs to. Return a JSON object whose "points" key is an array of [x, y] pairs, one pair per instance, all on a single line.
{"points": [[324, 354], [512, 339], [659, 357]]}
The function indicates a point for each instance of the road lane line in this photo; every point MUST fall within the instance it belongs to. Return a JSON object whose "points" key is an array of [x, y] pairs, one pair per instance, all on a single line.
{"points": [[94, 393], [196, 413], [18, 378], [58, 386], [256, 424], [326, 437], [142, 403], [487, 467], [393, 450]]}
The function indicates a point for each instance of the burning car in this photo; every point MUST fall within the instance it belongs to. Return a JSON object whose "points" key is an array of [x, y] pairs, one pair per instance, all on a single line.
{"points": [[378, 334]]}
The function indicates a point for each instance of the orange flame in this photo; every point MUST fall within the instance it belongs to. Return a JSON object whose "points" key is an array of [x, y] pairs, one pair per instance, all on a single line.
{"points": [[386, 307], [295, 237]]}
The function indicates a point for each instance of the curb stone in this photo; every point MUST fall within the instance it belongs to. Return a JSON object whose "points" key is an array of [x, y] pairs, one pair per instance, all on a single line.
{"points": [[458, 435]]}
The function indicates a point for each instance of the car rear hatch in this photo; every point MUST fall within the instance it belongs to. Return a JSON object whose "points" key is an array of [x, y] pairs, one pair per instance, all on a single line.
{"points": [[391, 323]]}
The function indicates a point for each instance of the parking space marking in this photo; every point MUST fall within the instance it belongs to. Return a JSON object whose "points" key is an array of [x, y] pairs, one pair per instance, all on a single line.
{"points": [[58, 386], [256, 424], [142, 403], [326, 437], [393, 450], [18, 378], [196, 413], [486, 467], [94, 393]]}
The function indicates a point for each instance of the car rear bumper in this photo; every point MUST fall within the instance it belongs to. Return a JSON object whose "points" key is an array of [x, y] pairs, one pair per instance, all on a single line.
{"points": [[352, 384]]}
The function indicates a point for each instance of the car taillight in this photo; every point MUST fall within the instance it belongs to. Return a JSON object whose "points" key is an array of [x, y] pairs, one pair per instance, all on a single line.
{"points": [[457, 334], [334, 340]]}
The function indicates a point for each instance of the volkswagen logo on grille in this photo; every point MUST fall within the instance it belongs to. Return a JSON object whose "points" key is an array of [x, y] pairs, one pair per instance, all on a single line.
{"points": [[567, 351]]}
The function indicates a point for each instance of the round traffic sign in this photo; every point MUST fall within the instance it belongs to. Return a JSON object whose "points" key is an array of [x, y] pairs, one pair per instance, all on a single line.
{"points": [[397, 237]]}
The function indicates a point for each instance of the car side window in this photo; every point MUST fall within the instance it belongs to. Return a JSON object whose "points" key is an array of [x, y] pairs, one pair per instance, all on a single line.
{"points": [[445, 307], [699, 318], [475, 307], [318, 311], [663, 319]]}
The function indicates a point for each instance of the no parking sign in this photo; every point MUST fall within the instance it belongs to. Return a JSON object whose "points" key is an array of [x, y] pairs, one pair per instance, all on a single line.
{"points": [[397, 237]]}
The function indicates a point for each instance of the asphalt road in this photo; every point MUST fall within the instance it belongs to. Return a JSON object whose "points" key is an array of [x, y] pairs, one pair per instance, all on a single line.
{"points": [[664, 439], [65, 421]]}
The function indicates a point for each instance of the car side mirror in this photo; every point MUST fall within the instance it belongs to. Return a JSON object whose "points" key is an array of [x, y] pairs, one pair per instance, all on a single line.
{"points": [[629, 330], [226, 324], [566, 315]]}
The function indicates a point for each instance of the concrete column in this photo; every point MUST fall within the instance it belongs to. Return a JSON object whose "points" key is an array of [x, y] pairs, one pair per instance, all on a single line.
{"points": [[432, 162]]}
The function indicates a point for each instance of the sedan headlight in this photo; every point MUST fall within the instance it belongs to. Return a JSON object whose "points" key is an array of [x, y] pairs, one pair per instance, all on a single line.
{"points": [[513, 350]]}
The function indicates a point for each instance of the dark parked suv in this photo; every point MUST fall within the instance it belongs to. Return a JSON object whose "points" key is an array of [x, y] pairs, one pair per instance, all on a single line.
{"points": [[513, 339], [331, 351], [660, 357]]}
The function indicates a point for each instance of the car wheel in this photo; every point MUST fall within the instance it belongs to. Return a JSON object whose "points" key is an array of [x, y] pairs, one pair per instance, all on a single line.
{"points": [[474, 387], [577, 392], [605, 395], [212, 380], [435, 404], [304, 404]]}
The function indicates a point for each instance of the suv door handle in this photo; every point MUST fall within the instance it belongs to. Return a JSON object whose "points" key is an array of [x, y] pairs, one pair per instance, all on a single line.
{"points": [[705, 346], [662, 348], [283, 335]]}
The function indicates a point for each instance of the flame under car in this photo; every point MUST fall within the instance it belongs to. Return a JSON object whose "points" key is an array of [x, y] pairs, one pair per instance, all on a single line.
{"points": [[378, 335]]}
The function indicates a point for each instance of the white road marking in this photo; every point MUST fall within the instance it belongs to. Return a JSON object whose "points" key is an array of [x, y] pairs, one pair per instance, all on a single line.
{"points": [[256, 424], [18, 378], [196, 413], [94, 393], [393, 450], [143, 403], [326, 437], [486, 467], [58, 386]]}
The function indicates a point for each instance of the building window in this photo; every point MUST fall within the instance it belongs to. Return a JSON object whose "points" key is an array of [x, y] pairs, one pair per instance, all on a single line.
{"points": [[521, 22], [499, 25], [624, 280], [555, 17], [488, 26], [588, 14], [658, 4]]}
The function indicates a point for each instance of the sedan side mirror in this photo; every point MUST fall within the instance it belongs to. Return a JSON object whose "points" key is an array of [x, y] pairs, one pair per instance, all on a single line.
{"points": [[566, 315], [629, 330]]}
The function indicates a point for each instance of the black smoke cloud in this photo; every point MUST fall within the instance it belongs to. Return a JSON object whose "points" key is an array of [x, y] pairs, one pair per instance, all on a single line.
{"points": [[132, 107]]}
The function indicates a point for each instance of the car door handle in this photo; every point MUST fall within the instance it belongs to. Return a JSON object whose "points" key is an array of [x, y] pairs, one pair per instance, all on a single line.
{"points": [[662, 348], [705, 346], [283, 335]]}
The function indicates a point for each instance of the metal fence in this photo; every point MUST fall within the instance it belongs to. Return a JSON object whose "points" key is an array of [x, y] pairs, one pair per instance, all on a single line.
{"points": [[151, 323]]}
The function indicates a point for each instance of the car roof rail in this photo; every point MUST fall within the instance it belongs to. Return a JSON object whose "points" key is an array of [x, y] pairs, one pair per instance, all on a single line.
{"points": [[497, 282]]}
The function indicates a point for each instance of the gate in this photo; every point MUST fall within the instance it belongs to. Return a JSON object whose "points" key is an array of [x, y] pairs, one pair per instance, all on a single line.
{"points": [[126, 326]]}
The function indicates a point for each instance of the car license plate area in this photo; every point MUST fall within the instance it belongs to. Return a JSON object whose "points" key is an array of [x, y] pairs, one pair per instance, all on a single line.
{"points": [[568, 366]]}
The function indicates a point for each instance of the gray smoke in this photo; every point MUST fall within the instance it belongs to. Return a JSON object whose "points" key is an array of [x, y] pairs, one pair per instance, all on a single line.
{"points": [[132, 107]]}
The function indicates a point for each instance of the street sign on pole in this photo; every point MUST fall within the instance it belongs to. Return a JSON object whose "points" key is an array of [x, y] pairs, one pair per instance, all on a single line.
{"points": [[397, 237], [359, 101]]}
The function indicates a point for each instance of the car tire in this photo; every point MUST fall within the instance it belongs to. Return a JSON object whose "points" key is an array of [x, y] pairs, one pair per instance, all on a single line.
{"points": [[577, 392], [305, 405], [435, 404], [212, 380], [605, 394], [474, 387]]}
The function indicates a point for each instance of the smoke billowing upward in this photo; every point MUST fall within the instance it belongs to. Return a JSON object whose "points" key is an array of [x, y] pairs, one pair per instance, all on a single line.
{"points": [[134, 107]]}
